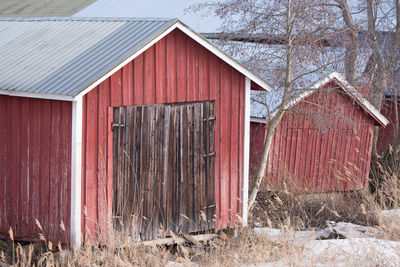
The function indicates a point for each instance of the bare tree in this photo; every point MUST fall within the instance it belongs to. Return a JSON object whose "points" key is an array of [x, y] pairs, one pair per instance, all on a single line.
{"points": [[352, 42], [301, 25], [381, 24]]}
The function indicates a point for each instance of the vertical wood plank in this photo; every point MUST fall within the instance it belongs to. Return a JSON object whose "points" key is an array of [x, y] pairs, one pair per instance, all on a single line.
{"points": [[3, 160], [127, 84], [171, 171], [204, 58], [234, 144], [201, 166], [225, 174], [91, 161], [116, 86], [161, 71], [196, 160], [45, 164], [215, 94], [149, 76], [138, 80], [178, 182], [166, 166], [24, 165], [181, 79], [211, 169], [65, 170], [54, 170], [171, 65], [184, 146]]}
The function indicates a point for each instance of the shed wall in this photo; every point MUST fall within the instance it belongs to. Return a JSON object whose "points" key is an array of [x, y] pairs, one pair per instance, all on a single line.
{"points": [[35, 157], [385, 137], [318, 148], [175, 69]]}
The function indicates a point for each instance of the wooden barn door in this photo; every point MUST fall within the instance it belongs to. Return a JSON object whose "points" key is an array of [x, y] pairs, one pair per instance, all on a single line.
{"points": [[163, 168]]}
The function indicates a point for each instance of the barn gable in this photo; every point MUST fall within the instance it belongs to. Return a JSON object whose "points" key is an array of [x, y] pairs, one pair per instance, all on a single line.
{"points": [[273, 99], [97, 65]]}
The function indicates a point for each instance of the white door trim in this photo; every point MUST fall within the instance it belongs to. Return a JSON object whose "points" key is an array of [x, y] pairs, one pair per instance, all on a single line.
{"points": [[76, 165], [246, 150]]}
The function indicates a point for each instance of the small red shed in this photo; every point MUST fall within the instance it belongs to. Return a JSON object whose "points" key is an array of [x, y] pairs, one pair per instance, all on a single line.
{"points": [[120, 117], [323, 142]]}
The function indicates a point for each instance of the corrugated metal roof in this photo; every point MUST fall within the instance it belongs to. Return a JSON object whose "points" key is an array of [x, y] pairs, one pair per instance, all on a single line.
{"points": [[41, 8], [63, 56]]}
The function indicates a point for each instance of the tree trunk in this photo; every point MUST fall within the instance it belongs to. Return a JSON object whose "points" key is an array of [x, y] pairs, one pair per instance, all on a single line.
{"points": [[272, 124], [396, 117], [352, 45], [379, 88]]}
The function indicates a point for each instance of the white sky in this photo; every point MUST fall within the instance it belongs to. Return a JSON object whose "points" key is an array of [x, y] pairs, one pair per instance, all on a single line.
{"points": [[152, 8]]}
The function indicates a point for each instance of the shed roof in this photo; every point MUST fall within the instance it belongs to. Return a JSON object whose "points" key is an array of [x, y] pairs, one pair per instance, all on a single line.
{"points": [[41, 8], [259, 112], [62, 58]]}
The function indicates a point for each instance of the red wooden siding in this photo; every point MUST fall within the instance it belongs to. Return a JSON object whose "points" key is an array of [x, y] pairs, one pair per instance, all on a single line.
{"points": [[385, 137], [175, 69], [318, 148], [35, 156]]}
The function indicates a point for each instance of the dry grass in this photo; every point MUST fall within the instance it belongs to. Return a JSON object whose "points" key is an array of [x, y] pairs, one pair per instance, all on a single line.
{"points": [[281, 209], [245, 247], [312, 211]]}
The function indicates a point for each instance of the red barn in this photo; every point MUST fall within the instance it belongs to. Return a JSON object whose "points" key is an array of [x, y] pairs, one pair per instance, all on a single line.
{"points": [[114, 118], [323, 142]]}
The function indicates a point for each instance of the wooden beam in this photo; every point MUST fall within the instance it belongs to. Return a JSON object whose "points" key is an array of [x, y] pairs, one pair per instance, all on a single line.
{"points": [[195, 239]]}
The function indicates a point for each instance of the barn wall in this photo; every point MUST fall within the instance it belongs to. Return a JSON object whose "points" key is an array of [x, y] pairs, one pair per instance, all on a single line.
{"points": [[175, 69], [315, 144], [35, 156], [385, 137], [257, 134]]}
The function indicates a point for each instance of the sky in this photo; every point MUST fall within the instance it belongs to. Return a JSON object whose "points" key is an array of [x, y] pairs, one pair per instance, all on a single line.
{"points": [[152, 8]]}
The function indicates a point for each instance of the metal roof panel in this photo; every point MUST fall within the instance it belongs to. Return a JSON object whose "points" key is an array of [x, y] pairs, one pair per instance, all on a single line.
{"points": [[63, 56]]}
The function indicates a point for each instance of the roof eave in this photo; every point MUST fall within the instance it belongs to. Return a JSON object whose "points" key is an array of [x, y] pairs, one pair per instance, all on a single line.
{"points": [[356, 95], [36, 95], [169, 28], [224, 56]]}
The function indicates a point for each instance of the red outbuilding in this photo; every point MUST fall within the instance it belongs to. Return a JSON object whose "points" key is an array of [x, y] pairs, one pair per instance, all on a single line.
{"points": [[120, 118], [386, 135], [323, 142]]}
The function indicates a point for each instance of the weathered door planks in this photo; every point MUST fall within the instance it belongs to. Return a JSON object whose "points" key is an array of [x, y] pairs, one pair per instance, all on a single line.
{"points": [[163, 168]]}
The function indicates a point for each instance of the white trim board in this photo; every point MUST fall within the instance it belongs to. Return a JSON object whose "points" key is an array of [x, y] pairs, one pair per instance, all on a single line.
{"points": [[258, 120], [225, 57], [36, 95], [246, 151], [76, 166], [357, 96]]}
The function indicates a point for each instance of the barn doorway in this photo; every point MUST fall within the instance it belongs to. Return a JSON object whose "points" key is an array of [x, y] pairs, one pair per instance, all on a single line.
{"points": [[163, 168]]}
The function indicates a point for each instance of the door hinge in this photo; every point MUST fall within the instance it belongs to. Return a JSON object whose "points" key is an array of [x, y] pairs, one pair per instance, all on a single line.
{"points": [[113, 125], [209, 155], [210, 119]]}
